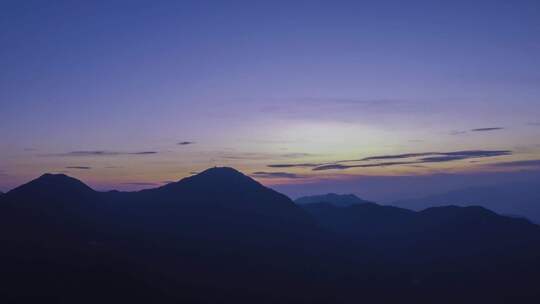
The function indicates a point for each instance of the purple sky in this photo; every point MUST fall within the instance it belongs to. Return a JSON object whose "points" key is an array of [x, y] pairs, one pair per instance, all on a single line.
{"points": [[302, 95]]}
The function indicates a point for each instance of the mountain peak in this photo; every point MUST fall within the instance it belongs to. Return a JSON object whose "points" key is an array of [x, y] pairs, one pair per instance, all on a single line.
{"points": [[56, 176], [222, 176], [222, 171], [60, 179], [50, 184]]}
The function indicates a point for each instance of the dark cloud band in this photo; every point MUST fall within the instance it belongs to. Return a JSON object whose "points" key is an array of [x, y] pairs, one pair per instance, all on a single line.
{"points": [[409, 159], [487, 129], [103, 153], [262, 174]]}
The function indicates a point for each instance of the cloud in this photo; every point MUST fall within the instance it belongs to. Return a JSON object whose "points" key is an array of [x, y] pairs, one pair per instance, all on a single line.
{"points": [[434, 157], [342, 167], [394, 156], [334, 167], [410, 159], [487, 129], [460, 132], [102, 153], [536, 124], [519, 163], [440, 159], [142, 153], [478, 153], [304, 165], [457, 132], [295, 155], [79, 167], [185, 143], [454, 155], [262, 174]]}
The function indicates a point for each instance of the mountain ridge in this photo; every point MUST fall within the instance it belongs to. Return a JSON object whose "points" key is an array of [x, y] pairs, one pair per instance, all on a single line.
{"points": [[521, 199], [201, 238], [332, 198]]}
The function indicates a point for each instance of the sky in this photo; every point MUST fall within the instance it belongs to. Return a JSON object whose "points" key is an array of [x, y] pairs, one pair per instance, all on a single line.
{"points": [[301, 95]]}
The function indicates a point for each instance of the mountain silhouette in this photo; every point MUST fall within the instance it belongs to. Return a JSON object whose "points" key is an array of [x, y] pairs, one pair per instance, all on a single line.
{"points": [[54, 189], [231, 190], [388, 225], [221, 236], [518, 199], [332, 198]]}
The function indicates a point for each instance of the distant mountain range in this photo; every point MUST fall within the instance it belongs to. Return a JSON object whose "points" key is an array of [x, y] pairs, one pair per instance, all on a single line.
{"points": [[342, 200], [516, 199], [220, 236], [460, 230]]}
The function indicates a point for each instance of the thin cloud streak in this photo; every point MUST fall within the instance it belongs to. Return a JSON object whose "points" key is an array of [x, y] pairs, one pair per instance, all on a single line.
{"points": [[262, 174], [342, 167], [487, 129], [102, 153], [457, 132], [396, 156], [296, 155], [304, 165], [434, 157]]}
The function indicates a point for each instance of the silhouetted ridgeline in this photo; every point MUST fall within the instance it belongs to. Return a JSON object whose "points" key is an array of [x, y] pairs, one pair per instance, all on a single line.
{"points": [[340, 200], [521, 199], [220, 236]]}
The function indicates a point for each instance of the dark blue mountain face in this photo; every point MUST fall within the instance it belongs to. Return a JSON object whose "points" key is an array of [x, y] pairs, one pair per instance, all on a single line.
{"points": [[221, 236], [462, 231], [54, 190], [515, 199], [332, 198]]}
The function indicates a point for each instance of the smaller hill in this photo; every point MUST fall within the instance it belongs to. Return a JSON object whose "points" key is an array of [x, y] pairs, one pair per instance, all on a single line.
{"points": [[339, 200]]}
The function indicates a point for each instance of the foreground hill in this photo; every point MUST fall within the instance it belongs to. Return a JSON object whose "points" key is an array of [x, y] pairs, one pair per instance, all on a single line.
{"points": [[220, 236]]}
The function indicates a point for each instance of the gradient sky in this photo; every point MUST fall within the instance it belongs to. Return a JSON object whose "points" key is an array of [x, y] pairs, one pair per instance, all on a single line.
{"points": [[131, 95]]}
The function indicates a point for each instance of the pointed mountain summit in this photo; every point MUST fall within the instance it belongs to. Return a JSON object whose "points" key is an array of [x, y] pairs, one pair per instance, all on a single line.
{"points": [[221, 192], [49, 183], [51, 189], [340, 200], [220, 178]]}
